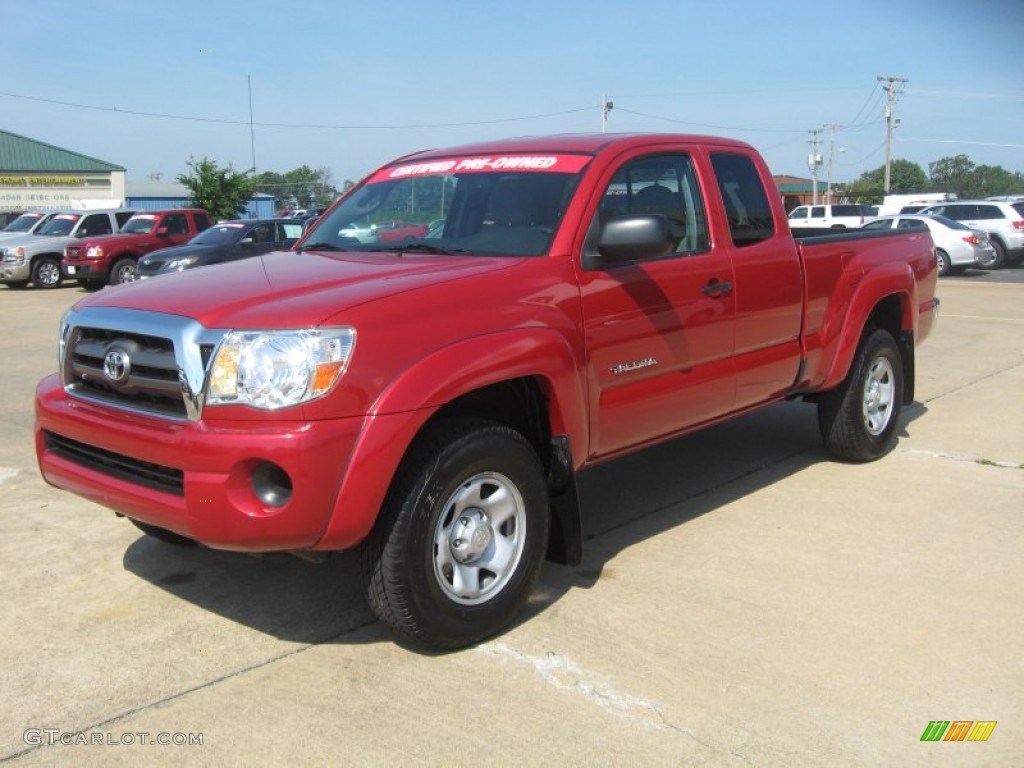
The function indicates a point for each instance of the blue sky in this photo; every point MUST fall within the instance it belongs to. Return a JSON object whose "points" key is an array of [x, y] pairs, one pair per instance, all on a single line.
{"points": [[384, 78]]}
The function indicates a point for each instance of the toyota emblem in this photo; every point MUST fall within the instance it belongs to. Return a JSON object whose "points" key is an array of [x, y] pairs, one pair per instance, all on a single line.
{"points": [[117, 366]]}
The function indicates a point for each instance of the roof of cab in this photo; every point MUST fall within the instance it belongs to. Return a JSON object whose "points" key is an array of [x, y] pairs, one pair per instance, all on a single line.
{"points": [[590, 143]]}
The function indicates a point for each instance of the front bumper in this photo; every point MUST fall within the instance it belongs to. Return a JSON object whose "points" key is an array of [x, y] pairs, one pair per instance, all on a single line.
{"points": [[207, 472], [11, 272], [83, 269]]}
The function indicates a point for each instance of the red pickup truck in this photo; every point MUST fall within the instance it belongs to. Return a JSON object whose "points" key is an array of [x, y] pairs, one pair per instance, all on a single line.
{"points": [[433, 400], [113, 258]]}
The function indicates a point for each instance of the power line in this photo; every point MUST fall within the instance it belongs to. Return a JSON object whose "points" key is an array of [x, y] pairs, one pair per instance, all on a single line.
{"points": [[964, 141], [224, 121], [708, 125]]}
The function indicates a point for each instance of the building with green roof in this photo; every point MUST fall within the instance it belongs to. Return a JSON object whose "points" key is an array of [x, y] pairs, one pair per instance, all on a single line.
{"points": [[36, 175]]}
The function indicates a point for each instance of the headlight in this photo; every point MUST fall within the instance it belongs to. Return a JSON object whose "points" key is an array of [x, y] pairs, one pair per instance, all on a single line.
{"points": [[14, 255], [179, 264], [94, 252], [278, 369]]}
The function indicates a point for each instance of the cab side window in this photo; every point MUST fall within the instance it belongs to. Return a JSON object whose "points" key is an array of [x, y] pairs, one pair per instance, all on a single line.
{"points": [[176, 224], [96, 224], [665, 185], [746, 202]]}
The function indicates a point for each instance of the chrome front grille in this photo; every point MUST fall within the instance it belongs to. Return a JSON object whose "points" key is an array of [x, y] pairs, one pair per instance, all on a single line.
{"points": [[140, 361], [130, 369]]}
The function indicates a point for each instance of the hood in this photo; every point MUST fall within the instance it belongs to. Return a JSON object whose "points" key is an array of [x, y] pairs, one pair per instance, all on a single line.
{"points": [[115, 238], [158, 257], [289, 289], [38, 242]]}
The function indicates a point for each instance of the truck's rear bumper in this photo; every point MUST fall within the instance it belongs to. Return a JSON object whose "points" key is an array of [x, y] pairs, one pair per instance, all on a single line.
{"points": [[203, 480]]}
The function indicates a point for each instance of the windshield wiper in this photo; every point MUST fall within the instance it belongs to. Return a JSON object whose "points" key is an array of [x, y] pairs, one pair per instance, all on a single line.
{"points": [[320, 247], [424, 248]]}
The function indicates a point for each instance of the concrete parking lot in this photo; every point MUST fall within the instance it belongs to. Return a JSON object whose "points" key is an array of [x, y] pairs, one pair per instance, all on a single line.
{"points": [[744, 600]]}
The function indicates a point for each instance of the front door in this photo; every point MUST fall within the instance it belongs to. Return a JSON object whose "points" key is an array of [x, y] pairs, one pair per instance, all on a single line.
{"points": [[659, 332]]}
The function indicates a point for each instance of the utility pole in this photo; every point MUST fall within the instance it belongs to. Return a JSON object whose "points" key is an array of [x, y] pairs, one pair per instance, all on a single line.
{"points": [[813, 161], [606, 107], [832, 128], [252, 131], [892, 87]]}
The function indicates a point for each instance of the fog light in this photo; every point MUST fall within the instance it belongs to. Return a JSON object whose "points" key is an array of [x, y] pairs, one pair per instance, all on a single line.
{"points": [[271, 484]]}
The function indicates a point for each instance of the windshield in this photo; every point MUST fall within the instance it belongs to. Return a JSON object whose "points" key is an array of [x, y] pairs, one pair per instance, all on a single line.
{"points": [[23, 223], [219, 234], [60, 225], [502, 205], [139, 225]]}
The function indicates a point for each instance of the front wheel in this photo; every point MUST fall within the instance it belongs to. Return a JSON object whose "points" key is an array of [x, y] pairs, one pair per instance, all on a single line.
{"points": [[123, 271], [46, 272], [859, 418], [461, 536]]}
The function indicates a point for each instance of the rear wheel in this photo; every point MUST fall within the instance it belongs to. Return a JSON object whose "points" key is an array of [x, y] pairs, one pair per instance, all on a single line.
{"points": [[859, 418], [461, 536], [123, 271], [943, 261], [46, 272], [997, 259]]}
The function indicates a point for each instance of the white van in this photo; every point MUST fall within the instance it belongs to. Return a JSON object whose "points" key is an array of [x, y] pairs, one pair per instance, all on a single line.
{"points": [[828, 216]]}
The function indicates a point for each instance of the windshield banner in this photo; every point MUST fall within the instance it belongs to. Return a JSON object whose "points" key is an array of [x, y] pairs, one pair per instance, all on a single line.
{"points": [[487, 164]]}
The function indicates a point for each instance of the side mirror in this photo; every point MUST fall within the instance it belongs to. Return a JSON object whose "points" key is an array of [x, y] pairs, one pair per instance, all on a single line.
{"points": [[631, 238]]}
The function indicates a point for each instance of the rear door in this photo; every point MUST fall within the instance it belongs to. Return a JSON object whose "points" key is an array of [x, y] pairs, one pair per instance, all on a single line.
{"points": [[768, 296]]}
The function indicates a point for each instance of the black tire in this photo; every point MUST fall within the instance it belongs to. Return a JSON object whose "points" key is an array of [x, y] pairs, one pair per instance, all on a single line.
{"points": [[434, 567], [859, 419], [164, 535], [91, 284], [998, 259], [942, 258], [46, 272], [123, 271]]}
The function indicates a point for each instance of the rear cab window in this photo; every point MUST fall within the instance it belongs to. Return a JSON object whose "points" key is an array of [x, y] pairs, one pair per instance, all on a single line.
{"points": [[747, 208]]}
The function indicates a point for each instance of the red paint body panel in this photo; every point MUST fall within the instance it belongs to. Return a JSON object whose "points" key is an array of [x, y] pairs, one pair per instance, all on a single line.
{"points": [[622, 357]]}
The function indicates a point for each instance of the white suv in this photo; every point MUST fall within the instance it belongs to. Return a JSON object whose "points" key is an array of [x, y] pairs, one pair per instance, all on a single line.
{"points": [[1003, 221]]}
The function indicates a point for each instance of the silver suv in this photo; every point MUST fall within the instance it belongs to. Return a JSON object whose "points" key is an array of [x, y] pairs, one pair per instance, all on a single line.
{"points": [[1003, 221]]}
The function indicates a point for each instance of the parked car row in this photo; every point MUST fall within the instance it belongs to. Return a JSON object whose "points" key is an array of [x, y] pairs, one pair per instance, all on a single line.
{"points": [[113, 246], [987, 234], [957, 246]]}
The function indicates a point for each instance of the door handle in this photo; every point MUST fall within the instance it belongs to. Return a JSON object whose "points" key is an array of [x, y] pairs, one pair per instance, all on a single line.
{"points": [[716, 289]]}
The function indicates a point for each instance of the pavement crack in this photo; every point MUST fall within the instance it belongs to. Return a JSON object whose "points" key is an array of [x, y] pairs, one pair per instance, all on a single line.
{"points": [[961, 458], [122, 716], [565, 675]]}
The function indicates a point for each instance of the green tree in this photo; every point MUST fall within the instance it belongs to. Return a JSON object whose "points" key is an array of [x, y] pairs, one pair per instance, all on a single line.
{"points": [[904, 176], [302, 187], [223, 192], [968, 181], [952, 174]]}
